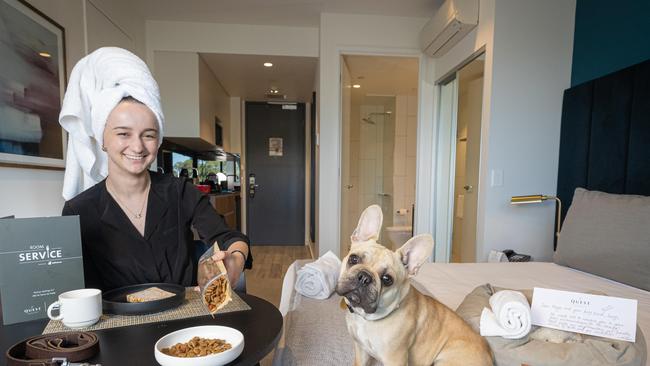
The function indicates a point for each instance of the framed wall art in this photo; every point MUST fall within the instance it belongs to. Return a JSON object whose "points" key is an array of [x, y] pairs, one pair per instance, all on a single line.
{"points": [[32, 84]]}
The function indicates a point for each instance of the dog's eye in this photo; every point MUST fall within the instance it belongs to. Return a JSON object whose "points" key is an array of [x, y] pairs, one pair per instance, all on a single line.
{"points": [[386, 280], [353, 259]]}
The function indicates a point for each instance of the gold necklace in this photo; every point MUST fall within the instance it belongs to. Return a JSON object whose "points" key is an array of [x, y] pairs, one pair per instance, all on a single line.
{"points": [[137, 215]]}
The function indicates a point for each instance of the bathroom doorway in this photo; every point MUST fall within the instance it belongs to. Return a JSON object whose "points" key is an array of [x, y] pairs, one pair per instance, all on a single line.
{"points": [[379, 139], [461, 101]]}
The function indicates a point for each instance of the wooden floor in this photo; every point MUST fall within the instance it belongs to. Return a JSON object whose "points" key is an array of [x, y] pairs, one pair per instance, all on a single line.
{"points": [[270, 263]]}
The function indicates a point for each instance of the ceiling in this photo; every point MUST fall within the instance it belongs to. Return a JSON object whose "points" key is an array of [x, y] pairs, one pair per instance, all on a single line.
{"points": [[245, 75], [277, 12], [382, 75]]}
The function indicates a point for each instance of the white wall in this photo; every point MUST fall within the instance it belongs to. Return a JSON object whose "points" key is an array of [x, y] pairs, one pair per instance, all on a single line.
{"points": [[345, 33], [214, 101], [230, 38], [235, 125], [528, 48], [37, 192], [533, 47], [177, 74], [114, 23]]}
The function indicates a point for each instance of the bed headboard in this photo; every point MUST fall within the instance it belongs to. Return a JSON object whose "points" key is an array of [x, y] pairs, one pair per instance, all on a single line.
{"points": [[605, 138]]}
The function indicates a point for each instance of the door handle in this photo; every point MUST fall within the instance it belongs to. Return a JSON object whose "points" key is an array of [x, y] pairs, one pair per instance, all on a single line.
{"points": [[468, 188], [251, 190], [349, 186], [251, 185]]}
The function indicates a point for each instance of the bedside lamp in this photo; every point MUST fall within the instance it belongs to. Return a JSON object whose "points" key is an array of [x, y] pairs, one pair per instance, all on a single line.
{"points": [[538, 198]]}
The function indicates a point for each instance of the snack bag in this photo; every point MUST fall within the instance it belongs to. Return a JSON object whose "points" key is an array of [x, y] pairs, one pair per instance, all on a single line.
{"points": [[213, 281]]}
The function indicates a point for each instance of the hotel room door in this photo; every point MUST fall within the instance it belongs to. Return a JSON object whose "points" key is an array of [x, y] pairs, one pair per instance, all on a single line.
{"points": [[275, 165]]}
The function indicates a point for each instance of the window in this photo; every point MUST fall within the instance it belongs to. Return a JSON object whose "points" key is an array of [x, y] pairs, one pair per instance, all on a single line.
{"points": [[208, 166], [180, 161], [231, 167]]}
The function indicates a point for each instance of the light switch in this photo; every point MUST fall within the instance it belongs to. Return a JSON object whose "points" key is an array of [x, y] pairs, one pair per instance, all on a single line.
{"points": [[496, 178]]}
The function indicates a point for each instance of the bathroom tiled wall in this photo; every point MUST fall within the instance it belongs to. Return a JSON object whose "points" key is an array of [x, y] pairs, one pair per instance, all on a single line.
{"points": [[404, 157]]}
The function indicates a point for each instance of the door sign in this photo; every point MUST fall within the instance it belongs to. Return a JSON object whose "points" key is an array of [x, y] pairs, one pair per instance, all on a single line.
{"points": [[275, 146]]}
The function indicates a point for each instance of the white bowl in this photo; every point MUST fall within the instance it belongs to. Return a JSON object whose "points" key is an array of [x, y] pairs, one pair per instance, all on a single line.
{"points": [[230, 335]]}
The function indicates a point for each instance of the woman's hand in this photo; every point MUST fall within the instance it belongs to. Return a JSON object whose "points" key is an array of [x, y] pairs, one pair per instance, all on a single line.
{"points": [[234, 263]]}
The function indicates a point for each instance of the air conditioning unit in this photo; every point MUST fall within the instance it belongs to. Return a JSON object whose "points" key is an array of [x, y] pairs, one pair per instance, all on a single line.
{"points": [[452, 22]]}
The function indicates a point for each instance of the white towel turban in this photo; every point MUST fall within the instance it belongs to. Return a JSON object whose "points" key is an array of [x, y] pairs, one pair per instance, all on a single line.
{"points": [[98, 83]]}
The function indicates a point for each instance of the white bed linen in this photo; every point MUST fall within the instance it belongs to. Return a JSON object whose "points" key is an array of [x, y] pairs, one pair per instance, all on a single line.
{"points": [[450, 283]]}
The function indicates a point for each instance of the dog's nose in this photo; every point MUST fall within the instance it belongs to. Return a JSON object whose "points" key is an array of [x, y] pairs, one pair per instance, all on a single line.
{"points": [[364, 278]]}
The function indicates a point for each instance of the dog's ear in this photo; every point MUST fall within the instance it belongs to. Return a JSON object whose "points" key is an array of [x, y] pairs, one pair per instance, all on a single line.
{"points": [[415, 252], [369, 225]]}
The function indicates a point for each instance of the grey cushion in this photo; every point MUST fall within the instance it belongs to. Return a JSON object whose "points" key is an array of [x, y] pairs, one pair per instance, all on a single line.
{"points": [[607, 235], [565, 348]]}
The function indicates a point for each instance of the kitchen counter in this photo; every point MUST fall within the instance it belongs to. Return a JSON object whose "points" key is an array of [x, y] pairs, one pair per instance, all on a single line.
{"points": [[228, 204], [229, 193]]}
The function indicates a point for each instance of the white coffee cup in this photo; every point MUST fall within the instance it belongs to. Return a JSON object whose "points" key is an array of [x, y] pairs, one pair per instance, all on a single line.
{"points": [[78, 308]]}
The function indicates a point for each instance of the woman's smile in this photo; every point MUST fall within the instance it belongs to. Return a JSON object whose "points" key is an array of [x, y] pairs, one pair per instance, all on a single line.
{"points": [[135, 157]]}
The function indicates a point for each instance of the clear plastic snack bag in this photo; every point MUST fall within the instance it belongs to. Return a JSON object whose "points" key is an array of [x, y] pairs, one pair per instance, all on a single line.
{"points": [[213, 281]]}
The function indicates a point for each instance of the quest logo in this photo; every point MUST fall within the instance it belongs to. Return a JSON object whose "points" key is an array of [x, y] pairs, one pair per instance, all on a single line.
{"points": [[32, 310]]}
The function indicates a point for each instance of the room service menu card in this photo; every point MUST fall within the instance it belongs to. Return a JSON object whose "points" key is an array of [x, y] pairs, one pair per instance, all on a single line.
{"points": [[602, 316], [39, 259]]}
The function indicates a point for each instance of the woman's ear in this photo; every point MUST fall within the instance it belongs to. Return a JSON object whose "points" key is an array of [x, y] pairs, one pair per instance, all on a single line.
{"points": [[369, 225]]}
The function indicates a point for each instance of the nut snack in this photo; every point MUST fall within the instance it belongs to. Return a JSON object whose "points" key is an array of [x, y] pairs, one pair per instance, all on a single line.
{"points": [[197, 347], [216, 293], [213, 282]]}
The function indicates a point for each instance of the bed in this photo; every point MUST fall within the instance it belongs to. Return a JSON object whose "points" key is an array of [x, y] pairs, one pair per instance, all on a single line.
{"points": [[605, 241], [315, 332]]}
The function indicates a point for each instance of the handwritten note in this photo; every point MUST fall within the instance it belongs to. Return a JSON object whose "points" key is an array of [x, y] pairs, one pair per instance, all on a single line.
{"points": [[602, 316]]}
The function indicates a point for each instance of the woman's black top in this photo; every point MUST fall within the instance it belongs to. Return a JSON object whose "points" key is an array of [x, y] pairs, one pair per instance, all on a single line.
{"points": [[116, 255]]}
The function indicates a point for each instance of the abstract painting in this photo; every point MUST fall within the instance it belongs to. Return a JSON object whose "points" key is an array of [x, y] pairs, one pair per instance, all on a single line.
{"points": [[32, 83]]}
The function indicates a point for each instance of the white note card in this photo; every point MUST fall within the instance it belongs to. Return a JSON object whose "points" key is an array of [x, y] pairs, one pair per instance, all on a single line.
{"points": [[602, 316]]}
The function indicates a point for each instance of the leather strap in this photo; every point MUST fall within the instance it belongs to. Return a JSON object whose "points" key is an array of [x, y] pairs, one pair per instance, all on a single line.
{"points": [[40, 350]]}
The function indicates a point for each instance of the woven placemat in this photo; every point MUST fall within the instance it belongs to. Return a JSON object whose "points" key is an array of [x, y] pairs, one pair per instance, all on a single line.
{"points": [[191, 307]]}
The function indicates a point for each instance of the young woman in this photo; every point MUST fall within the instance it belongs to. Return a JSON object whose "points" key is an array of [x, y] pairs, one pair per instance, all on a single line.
{"points": [[136, 224]]}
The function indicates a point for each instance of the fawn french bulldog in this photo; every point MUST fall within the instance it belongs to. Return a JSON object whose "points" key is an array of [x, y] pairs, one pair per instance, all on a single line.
{"points": [[391, 321]]}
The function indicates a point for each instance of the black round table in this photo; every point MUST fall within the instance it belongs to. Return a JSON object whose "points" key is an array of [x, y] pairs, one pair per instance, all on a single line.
{"points": [[133, 345]]}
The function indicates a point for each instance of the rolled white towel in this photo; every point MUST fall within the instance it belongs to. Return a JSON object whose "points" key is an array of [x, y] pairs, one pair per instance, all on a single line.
{"points": [[318, 279], [509, 318]]}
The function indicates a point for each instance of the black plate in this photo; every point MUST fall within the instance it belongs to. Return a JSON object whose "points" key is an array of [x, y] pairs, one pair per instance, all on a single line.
{"points": [[114, 301]]}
